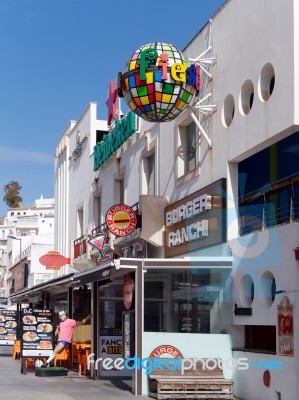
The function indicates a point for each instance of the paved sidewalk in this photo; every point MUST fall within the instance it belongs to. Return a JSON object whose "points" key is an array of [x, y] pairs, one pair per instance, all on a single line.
{"points": [[16, 386]]}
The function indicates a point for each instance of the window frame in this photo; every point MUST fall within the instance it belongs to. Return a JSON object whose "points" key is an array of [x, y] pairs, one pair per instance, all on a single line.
{"points": [[184, 174]]}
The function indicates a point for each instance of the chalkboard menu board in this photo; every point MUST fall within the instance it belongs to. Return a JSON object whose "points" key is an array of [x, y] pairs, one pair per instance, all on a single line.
{"points": [[8, 327], [37, 332]]}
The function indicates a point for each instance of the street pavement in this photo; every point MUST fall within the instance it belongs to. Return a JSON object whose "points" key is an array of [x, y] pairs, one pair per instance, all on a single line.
{"points": [[17, 386]]}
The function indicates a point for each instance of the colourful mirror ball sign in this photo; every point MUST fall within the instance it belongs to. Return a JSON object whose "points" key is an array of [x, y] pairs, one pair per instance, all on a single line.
{"points": [[159, 82]]}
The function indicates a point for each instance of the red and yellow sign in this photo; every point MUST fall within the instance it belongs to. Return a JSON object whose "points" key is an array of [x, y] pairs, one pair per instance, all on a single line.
{"points": [[128, 291], [166, 351], [121, 220], [285, 328]]}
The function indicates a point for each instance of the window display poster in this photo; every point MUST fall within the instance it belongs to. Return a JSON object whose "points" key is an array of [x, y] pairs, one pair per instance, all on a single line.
{"points": [[36, 332], [111, 347], [8, 327]]}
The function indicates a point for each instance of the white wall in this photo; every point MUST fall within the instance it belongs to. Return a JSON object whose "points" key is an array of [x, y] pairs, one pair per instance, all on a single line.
{"points": [[190, 345]]}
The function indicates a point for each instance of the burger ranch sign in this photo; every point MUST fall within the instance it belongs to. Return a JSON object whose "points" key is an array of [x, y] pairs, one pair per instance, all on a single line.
{"points": [[190, 209], [196, 221]]}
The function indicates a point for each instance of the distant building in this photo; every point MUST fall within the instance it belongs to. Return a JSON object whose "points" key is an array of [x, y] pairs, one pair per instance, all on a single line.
{"points": [[26, 233]]}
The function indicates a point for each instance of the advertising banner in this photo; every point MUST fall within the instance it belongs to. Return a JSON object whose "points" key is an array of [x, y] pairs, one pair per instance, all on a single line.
{"points": [[8, 327], [3, 301], [111, 347], [37, 332], [285, 328]]}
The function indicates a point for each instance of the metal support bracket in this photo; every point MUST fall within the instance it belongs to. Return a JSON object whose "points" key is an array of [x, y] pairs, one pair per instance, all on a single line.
{"points": [[203, 105]]}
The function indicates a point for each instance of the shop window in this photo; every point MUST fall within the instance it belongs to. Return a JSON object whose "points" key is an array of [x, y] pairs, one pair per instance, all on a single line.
{"points": [[269, 186], [185, 301], [111, 305], [81, 301], [261, 338], [154, 306]]}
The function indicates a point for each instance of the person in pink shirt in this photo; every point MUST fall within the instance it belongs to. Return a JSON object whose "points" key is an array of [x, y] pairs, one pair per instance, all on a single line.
{"points": [[64, 331]]}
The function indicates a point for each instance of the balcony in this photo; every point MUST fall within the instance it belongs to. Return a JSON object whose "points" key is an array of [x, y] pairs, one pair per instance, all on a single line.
{"points": [[37, 278], [80, 247], [81, 254], [274, 204]]}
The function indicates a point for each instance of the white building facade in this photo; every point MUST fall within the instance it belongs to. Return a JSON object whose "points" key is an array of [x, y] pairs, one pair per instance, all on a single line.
{"points": [[27, 234], [217, 218]]}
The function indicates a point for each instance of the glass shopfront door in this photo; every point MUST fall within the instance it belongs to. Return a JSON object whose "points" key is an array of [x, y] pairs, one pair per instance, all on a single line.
{"points": [[111, 308]]}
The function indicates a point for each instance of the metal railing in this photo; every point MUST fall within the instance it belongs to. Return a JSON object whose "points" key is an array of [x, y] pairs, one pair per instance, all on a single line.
{"points": [[80, 244], [270, 205]]}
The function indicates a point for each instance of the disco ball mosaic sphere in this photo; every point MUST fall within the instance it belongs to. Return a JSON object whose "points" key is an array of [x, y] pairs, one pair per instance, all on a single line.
{"points": [[159, 82]]}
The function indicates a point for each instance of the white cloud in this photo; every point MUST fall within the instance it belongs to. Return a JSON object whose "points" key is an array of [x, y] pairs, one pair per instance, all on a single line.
{"points": [[10, 154]]}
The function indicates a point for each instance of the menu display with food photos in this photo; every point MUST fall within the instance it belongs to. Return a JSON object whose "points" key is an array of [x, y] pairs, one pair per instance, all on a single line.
{"points": [[8, 327], [37, 332]]}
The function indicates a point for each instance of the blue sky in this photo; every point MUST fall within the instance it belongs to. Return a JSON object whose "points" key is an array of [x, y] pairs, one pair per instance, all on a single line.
{"points": [[58, 55]]}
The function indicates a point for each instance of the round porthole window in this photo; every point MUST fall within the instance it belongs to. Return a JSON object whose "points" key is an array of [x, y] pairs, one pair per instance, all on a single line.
{"points": [[228, 111], [266, 82], [267, 289], [246, 292], [246, 97]]}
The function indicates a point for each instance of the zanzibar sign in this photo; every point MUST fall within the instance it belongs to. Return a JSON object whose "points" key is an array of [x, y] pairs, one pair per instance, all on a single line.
{"points": [[158, 82], [124, 128]]}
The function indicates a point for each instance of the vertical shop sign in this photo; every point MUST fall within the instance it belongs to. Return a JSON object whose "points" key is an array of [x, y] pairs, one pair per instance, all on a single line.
{"points": [[128, 291], [8, 327], [285, 328], [37, 332], [128, 334]]}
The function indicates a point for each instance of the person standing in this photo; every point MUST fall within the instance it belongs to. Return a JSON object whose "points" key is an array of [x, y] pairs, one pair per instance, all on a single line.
{"points": [[64, 331]]}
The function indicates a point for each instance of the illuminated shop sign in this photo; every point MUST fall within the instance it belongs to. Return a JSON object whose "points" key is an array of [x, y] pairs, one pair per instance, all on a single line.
{"points": [[187, 210], [98, 242], [196, 221], [159, 82], [124, 128], [121, 220]]}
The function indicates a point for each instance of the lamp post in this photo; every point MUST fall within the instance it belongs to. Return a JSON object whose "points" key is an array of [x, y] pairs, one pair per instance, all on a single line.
{"points": [[18, 304]]}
